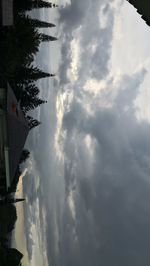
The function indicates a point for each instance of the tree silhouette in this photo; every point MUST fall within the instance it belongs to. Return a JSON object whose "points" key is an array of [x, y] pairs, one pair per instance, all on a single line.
{"points": [[24, 156], [54, 5], [41, 4], [40, 24], [27, 5], [30, 74], [47, 38], [32, 122], [19, 48], [29, 103]]}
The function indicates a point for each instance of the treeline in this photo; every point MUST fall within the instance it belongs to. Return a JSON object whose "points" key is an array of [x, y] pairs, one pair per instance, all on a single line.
{"points": [[18, 47], [8, 219], [28, 5]]}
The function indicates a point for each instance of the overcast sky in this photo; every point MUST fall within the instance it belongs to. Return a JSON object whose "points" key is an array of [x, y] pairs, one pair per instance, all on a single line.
{"points": [[88, 182]]}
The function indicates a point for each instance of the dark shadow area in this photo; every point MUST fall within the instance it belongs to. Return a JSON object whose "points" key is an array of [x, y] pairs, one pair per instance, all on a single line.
{"points": [[20, 41], [8, 217]]}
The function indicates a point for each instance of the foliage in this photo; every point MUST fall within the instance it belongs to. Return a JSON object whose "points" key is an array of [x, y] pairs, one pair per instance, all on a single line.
{"points": [[10, 257], [8, 218], [32, 122], [40, 24], [47, 38], [18, 47], [27, 5], [24, 156]]}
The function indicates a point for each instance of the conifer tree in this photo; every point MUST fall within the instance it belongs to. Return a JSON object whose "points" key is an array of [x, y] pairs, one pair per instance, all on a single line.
{"points": [[24, 156], [54, 5], [28, 91], [32, 89], [32, 122], [27, 5], [30, 103], [30, 74], [41, 4], [47, 38], [40, 24]]}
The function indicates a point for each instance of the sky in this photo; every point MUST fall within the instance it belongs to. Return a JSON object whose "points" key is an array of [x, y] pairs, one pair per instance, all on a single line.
{"points": [[88, 180]]}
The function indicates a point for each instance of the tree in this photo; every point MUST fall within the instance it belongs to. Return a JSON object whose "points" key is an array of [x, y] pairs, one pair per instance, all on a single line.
{"points": [[30, 103], [32, 90], [41, 4], [32, 122], [24, 156], [47, 38], [29, 90], [54, 5], [40, 24], [27, 5], [30, 74], [27, 36], [19, 48]]}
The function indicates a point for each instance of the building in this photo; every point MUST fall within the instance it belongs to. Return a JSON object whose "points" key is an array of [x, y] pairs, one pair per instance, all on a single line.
{"points": [[6, 9], [143, 8], [14, 130], [10, 257]]}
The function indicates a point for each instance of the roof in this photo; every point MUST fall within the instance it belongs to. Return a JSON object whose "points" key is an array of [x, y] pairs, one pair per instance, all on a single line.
{"points": [[10, 256], [7, 12], [17, 130], [143, 8]]}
